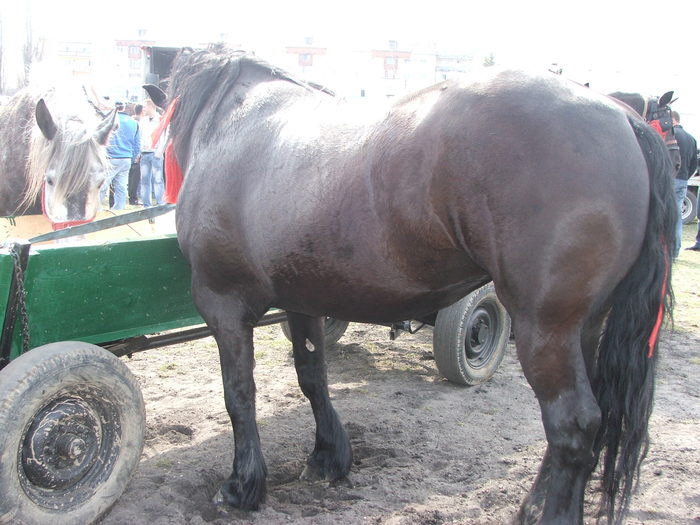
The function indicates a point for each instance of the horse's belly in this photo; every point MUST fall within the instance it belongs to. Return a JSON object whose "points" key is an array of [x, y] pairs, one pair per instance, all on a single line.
{"points": [[371, 297]]}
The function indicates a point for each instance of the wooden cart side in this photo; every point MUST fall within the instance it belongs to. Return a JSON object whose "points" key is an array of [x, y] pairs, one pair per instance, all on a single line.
{"points": [[5, 276], [103, 292], [6, 268]]}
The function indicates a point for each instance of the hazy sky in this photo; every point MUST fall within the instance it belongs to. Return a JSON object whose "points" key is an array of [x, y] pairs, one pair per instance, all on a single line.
{"points": [[652, 46]]}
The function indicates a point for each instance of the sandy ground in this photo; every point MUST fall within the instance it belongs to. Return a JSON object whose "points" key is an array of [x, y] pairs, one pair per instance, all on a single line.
{"points": [[425, 451]]}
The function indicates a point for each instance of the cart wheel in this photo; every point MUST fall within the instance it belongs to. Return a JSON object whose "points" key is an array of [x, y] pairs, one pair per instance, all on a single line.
{"points": [[689, 207], [72, 421], [470, 337], [335, 328]]}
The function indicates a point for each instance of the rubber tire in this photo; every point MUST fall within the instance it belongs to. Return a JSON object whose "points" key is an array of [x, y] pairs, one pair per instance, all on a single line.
{"points": [[452, 327], [86, 374], [335, 328], [690, 207]]}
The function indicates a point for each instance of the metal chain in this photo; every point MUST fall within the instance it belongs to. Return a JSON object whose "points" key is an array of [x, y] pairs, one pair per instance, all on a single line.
{"points": [[21, 300]]}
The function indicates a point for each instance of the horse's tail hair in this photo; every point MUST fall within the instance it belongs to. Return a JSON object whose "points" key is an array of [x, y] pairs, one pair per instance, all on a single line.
{"points": [[624, 380]]}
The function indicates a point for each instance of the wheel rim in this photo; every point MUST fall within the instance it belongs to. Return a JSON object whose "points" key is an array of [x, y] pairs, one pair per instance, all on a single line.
{"points": [[69, 448], [685, 208], [481, 338]]}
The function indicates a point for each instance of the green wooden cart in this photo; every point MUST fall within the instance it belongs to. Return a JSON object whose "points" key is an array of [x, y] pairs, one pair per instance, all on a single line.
{"points": [[71, 412]]}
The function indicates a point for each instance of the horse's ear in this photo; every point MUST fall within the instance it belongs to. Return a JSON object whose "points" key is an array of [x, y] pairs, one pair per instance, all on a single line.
{"points": [[105, 128], [665, 98], [157, 95], [44, 120]]}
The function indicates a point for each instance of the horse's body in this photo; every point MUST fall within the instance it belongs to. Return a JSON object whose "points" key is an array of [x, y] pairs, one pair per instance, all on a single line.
{"points": [[292, 199], [56, 155]]}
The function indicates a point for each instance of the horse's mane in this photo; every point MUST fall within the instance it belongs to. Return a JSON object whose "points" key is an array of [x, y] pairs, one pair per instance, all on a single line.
{"points": [[204, 79]]}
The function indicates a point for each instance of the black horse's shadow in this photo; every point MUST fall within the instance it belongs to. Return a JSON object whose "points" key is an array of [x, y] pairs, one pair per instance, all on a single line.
{"points": [[391, 418]]}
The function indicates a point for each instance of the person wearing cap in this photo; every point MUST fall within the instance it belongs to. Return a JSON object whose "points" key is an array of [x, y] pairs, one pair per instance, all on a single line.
{"points": [[124, 149]]}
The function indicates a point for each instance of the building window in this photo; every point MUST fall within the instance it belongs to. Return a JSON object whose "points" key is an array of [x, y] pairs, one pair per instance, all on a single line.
{"points": [[391, 64], [134, 52], [306, 59]]}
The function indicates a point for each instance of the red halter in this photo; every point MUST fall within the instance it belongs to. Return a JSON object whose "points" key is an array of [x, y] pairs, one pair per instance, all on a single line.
{"points": [[63, 224]]}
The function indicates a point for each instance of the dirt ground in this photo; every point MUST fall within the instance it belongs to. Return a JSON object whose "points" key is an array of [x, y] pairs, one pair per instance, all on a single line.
{"points": [[425, 451]]}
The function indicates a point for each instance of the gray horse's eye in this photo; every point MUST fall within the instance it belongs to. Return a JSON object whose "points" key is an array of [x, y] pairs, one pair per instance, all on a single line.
{"points": [[50, 180]]}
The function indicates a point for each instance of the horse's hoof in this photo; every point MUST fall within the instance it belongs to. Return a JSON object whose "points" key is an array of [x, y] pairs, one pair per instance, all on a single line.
{"points": [[312, 475], [220, 501], [225, 502], [227, 499]]}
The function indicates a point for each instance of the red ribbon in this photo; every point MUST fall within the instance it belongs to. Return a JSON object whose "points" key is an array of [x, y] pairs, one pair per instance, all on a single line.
{"points": [[659, 317], [657, 126], [173, 172]]}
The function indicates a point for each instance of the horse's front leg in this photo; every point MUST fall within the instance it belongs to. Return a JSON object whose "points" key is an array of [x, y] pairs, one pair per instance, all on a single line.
{"points": [[332, 455], [245, 488], [555, 368]]}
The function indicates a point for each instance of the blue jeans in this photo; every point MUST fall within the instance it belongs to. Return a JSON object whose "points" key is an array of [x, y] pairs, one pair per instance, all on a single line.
{"points": [[151, 179], [681, 188], [119, 176]]}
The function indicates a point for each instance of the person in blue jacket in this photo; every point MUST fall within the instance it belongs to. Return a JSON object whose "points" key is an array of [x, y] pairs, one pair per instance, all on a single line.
{"points": [[124, 149]]}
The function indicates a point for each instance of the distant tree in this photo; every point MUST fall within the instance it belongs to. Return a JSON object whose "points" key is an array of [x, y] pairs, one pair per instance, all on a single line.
{"points": [[31, 51], [489, 60]]}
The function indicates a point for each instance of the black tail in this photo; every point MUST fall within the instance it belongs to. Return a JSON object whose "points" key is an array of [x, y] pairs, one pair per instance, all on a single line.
{"points": [[624, 382]]}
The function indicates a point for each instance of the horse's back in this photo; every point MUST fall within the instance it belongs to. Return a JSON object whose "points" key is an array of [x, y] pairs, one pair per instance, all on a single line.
{"points": [[453, 185]]}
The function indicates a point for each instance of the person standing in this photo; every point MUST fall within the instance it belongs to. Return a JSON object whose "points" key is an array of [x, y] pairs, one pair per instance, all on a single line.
{"points": [[689, 163], [123, 150], [151, 159], [135, 170]]}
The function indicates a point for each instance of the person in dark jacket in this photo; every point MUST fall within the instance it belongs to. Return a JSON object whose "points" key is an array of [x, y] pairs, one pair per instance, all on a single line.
{"points": [[689, 163], [123, 150]]}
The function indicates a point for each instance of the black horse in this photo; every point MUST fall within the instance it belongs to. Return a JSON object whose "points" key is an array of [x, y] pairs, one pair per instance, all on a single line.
{"points": [[294, 199], [656, 111]]}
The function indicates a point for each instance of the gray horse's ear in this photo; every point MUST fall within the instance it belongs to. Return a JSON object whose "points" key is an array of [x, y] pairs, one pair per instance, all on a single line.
{"points": [[157, 95], [44, 120], [105, 128], [665, 98]]}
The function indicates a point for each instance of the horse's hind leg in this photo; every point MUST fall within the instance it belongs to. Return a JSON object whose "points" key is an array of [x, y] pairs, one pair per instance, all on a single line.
{"points": [[332, 455], [226, 316], [531, 509], [554, 364]]}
